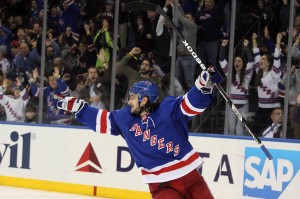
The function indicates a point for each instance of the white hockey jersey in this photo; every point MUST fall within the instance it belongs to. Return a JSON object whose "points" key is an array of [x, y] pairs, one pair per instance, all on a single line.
{"points": [[14, 107], [268, 90], [239, 92]]}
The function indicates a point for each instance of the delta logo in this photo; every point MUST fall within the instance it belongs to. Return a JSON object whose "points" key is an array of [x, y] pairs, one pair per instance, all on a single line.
{"points": [[268, 179], [88, 161]]}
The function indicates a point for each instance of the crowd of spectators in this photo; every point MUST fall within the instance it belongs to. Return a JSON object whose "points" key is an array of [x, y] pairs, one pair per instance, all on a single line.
{"points": [[79, 46]]}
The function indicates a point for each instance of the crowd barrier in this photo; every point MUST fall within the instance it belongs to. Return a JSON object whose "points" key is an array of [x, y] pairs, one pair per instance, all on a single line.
{"points": [[77, 160]]}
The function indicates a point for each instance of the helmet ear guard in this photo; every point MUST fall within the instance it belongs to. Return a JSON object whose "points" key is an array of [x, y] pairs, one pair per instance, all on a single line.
{"points": [[145, 89]]}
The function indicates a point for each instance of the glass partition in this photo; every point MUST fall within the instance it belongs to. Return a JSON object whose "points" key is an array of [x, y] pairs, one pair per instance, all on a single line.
{"points": [[95, 50]]}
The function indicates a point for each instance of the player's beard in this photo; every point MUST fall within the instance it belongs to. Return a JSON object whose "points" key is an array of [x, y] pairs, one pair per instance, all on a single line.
{"points": [[145, 72], [139, 110]]}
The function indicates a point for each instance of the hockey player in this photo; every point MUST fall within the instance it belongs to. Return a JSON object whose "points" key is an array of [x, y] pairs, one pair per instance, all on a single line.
{"points": [[157, 134]]}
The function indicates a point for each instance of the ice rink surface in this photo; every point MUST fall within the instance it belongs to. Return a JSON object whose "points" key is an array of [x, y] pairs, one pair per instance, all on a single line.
{"points": [[7, 192]]}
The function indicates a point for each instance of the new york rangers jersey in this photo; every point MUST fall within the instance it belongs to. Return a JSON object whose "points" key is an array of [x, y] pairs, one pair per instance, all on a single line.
{"points": [[268, 90], [239, 91], [158, 142]]}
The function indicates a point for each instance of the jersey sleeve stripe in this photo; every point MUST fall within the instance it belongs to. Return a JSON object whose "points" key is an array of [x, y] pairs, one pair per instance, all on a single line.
{"points": [[188, 109], [103, 128], [173, 167], [102, 122]]}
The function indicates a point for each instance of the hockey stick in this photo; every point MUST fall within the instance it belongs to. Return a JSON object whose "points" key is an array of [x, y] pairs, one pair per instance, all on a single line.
{"points": [[144, 6]]}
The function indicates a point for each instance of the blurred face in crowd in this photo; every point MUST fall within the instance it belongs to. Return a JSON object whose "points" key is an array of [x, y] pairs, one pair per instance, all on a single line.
{"points": [[34, 5], [189, 17], [54, 11], [30, 114], [93, 74], [16, 93], [264, 63], [24, 48], [79, 86], [277, 116], [151, 15], [52, 82], [145, 68], [238, 64], [50, 52], [108, 7], [91, 24], [297, 23], [14, 50], [21, 34], [36, 28], [209, 4], [11, 20], [260, 4], [105, 24], [82, 47]]}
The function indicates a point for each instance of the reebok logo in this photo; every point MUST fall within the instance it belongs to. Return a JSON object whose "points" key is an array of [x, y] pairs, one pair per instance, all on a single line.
{"points": [[277, 178], [88, 161]]}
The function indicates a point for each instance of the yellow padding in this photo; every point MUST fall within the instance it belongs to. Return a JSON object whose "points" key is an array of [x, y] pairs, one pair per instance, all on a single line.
{"points": [[73, 188]]}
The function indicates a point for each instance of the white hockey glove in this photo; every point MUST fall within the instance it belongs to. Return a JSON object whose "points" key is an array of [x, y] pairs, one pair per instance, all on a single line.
{"points": [[71, 104], [206, 80]]}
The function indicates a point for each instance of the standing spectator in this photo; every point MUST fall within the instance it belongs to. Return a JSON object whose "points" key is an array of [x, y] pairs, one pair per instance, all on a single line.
{"points": [[5, 38], [185, 62], [104, 44], [49, 60], [67, 53], [123, 26], [268, 76], [4, 63], [296, 118], [14, 52], [70, 17], [94, 91], [15, 102], [294, 90], [275, 130], [21, 34], [31, 113], [156, 134], [163, 42], [52, 93], [209, 20], [67, 73], [239, 90], [140, 35], [53, 19], [144, 73], [26, 61]]}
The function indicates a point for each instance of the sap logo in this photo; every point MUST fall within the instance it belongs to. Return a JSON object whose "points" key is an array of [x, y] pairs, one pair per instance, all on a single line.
{"points": [[264, 178], [12, 146]]}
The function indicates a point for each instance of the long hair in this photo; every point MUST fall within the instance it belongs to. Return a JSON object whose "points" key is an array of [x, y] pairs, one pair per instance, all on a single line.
{"points": [[260, 72], [150, 107], [242, 73]]}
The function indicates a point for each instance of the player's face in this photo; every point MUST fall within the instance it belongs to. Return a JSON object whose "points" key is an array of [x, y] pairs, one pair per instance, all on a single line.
{"points": [[133, 102]]}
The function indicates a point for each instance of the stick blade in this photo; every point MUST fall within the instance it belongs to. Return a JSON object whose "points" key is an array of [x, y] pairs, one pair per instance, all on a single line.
{"points": [[141, 6]]}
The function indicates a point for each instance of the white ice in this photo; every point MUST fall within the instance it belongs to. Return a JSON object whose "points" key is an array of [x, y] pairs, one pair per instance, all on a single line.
{"points": [[7, 192]]}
